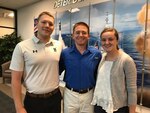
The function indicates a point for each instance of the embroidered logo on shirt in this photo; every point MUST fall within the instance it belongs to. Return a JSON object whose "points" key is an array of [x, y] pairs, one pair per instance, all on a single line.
{"points": [[54, 49], [35, 51], [96, 58]]}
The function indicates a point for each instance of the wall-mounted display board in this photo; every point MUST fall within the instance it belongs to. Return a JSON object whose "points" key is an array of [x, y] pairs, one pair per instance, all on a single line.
{"points": [[121, 14]]}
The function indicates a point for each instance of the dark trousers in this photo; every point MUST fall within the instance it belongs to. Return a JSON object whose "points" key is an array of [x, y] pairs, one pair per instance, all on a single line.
{"points": [[98, 109], [50, 104]]}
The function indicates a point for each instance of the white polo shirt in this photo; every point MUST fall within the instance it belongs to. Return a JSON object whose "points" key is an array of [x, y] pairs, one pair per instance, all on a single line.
{"points": [[39, 61]]}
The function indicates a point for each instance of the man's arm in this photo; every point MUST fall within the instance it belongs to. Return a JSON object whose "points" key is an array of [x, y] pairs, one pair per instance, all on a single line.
{"points": [[61, 64], [16, 91], [132, 109]]}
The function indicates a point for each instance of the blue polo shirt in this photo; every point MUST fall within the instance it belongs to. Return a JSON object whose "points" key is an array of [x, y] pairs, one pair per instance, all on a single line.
{"points": [[80, 69]]}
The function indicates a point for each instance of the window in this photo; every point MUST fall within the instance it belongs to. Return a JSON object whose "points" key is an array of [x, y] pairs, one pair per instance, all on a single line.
{"points": [[7, 21]]}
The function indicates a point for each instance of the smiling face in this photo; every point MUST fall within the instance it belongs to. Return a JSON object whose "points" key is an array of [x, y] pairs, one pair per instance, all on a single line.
{"points": [[109, 41], [45, 26], [81, 35]]}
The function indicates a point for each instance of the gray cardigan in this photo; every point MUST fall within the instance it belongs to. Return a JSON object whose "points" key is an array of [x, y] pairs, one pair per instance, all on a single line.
{"points": [[123, 77]]}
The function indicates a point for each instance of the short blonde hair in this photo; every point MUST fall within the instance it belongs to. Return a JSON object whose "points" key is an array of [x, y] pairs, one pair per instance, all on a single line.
{"points": [[45, 13]]}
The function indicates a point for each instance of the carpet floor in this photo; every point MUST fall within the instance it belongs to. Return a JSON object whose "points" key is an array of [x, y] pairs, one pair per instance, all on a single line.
{"points": [[6, 104]]}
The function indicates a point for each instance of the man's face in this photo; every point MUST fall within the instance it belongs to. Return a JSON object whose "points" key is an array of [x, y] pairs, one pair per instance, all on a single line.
{"points": [[45, 26], [81, 35]]}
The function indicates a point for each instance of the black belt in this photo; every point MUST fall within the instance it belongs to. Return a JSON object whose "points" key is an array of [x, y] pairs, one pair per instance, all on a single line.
{"points": [[46, 95], [79, 91]]}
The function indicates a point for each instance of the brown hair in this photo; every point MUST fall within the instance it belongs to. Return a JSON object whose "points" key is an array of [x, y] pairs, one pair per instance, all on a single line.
{"points": [[81, 23], [45, 13]]}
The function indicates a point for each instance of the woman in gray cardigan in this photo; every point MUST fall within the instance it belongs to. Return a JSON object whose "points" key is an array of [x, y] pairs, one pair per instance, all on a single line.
{"points": [[116, 89]]}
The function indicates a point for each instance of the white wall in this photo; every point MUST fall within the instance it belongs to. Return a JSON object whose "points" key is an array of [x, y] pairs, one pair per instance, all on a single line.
{"points": [[26, 15]]}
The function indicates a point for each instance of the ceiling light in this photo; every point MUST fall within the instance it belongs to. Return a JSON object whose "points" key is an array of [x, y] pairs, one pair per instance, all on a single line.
{"points": [[11, 14], [74, 10]]}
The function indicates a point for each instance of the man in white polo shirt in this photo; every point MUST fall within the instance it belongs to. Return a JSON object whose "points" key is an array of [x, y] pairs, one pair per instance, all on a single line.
{"points": [[35, 61]]}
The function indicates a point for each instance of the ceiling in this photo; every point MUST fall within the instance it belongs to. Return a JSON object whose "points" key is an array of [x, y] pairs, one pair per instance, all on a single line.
{"points": [[16, 4], [13, 4]]}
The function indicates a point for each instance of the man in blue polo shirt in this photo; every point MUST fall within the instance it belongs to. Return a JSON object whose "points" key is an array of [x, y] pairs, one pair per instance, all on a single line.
{"points": [[80, 63]]}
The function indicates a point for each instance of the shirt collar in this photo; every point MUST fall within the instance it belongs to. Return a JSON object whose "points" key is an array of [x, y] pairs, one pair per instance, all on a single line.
{"points": [[73, 49], [50, 42]]}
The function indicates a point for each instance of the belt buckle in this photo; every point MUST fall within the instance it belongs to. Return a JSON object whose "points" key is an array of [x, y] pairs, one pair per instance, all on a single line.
{"points": [[84, 91], [81, 91], [45, 95]]}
